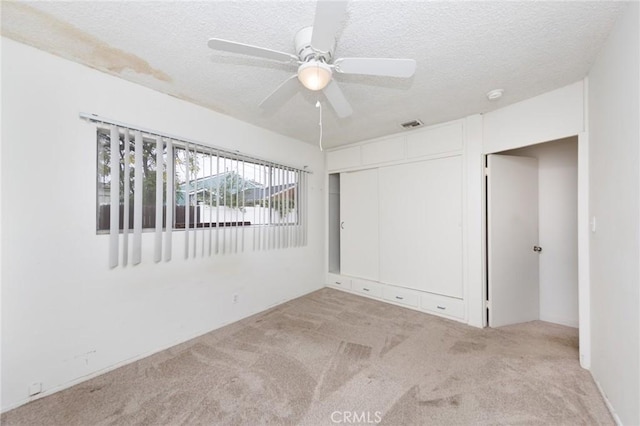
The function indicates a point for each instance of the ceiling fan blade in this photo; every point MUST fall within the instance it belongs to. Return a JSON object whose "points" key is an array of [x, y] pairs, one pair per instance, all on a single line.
{"points": [[247, 49], [337, 100], [282, 94], [376, 66], [329, 14]]}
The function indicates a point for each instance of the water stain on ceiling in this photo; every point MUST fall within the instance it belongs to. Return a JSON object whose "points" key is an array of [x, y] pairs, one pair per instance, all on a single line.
{"points": [[66, 40]]}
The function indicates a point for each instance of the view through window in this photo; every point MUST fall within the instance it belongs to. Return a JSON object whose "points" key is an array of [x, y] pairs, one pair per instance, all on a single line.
{"points": [[218, 188]]}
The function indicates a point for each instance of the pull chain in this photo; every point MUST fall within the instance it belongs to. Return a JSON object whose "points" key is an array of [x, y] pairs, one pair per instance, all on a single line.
{"points": [[319, 105]]}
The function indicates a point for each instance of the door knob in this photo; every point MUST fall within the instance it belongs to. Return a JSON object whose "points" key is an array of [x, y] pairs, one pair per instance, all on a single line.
{"points": [[537, 249]]}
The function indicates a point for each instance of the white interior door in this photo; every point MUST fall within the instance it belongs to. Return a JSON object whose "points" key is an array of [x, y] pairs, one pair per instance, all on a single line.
{"points": [[359, 224], [512, 233]]}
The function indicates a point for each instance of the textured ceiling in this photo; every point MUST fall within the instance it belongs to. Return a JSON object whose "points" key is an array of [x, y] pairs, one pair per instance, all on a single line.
{"points": [[462, 49]]}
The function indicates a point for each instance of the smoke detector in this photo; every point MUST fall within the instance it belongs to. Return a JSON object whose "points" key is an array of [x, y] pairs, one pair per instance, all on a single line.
{"points": [[495, 94]]}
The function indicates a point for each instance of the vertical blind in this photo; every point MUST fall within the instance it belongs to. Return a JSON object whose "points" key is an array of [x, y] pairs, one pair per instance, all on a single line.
{"points": [[225, 202]]}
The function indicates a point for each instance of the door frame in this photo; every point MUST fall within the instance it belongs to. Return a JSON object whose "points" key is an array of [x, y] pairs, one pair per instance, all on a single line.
{"points": [[584, 288]]}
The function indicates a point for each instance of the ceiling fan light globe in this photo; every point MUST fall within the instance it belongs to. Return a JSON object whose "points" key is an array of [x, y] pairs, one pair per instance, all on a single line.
{"points": [[314, 75]]}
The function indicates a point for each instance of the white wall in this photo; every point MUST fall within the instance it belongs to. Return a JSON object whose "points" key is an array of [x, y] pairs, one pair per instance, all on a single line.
{"points": [[614, 144], [558, 229], [65, 314], [549, 116]]}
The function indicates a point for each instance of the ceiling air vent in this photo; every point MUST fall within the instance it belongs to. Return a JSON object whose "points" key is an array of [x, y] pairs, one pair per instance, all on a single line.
{"points": [[412, 124]]}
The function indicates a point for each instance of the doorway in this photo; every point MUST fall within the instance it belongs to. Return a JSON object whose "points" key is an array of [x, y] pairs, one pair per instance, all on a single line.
{"points": [[553, 294]]}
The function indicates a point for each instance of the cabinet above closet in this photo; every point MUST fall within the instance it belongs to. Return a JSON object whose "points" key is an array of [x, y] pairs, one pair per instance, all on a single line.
{"points": [[418, 144]]}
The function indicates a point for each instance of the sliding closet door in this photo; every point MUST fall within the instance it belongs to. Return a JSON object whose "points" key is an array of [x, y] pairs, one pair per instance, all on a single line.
{"points": [[443, 226], [421, 226], [403, 208], [359, 224]]}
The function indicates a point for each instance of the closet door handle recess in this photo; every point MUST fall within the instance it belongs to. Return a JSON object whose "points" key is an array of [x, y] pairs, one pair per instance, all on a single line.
{"points": [[342, 225]]}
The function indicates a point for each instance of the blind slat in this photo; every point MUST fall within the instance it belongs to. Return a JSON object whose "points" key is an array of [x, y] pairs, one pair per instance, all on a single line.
{"points": [[195, 203], [126, 191], [288, 200], [157, 252], [296, 183], [305, 190], [243, 205], [137, 201], [187, 202], [210, 205], [271, 230], [235, 208], [170, 190], [285, 205], [114, 212], [225, 230], [298, 209], [301, 217], [281, 208], [218, 206]]}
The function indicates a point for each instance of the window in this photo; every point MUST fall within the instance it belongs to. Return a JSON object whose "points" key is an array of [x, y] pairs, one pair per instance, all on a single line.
{"points": [[126, 160], [220, 189], [150, 180], [225, 191], [225, 202]]}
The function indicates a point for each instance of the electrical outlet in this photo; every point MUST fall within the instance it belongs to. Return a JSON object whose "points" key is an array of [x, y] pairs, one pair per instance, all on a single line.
{"points": [[35, 388], [236, 298]]}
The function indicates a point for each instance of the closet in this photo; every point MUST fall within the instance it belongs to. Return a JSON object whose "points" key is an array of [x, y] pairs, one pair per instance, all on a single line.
{"points": [[397, 204]]}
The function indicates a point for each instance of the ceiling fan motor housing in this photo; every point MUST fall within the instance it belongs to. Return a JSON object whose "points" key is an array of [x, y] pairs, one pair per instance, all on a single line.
{"points": [[307, 53]]}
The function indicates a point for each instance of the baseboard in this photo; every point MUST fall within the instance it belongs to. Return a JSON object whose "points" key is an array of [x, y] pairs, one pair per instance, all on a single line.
{"points": [[117, 365], [607, 403], [562, 321]]}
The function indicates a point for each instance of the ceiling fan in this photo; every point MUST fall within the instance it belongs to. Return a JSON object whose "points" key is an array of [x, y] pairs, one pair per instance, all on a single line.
{"points": [[315, 47]]}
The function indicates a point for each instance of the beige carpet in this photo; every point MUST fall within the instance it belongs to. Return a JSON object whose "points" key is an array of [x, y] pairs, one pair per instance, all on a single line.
{"points": [[335, 358]]}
